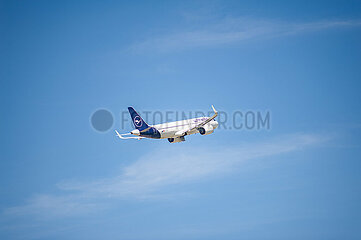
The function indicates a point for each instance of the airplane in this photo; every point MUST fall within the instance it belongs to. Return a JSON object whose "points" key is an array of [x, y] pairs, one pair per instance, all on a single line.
{"points": [[173, 131]]}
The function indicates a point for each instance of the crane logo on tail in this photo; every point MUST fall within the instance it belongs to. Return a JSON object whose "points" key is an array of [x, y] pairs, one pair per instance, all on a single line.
{"points": [[138, 121]]}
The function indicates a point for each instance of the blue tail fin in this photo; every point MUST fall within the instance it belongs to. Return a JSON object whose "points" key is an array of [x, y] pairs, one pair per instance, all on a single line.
{"points": [[137, 120]]}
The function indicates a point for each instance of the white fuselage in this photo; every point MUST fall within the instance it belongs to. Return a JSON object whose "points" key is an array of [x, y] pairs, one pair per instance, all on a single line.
{"points": [[169, 130]]}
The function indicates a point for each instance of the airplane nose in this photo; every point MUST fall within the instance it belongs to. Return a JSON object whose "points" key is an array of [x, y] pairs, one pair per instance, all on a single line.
{"points": [[135, 132]]}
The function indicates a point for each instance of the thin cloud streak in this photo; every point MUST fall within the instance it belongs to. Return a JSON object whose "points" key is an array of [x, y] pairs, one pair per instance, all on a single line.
{"points": [[148, 177], [232, 31]]}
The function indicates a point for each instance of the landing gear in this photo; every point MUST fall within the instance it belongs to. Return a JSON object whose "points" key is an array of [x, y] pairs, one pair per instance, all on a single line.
{"points": [[177, 139]]}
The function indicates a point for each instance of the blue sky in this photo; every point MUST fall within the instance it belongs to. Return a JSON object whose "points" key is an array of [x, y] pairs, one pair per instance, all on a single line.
{"points": [[62, 61]]}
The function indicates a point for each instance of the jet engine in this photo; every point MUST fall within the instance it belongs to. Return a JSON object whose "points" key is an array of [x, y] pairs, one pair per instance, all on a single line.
{"points": [[205, 130]]}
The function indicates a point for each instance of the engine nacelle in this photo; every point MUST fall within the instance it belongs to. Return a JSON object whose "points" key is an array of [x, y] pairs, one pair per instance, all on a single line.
{"points": [[177, 139], [205, 130]]}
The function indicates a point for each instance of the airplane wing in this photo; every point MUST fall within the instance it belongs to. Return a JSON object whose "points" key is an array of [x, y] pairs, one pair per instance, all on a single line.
{"points": [[185, 132], [122, 136]]}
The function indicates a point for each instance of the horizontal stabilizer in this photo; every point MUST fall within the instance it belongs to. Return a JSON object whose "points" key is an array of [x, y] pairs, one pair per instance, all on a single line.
{"points": [[121, 136]]}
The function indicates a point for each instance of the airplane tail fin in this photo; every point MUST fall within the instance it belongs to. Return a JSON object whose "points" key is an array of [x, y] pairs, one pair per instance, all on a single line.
{"points": [[138, 122]]}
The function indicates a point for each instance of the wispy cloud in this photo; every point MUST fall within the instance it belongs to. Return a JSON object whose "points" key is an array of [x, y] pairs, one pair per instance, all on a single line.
{"points": [[45, 205], [148, 176], [231, 31]]}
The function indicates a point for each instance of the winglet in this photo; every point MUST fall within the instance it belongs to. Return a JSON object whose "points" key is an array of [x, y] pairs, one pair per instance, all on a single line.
{"points": [[214, 109]]}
